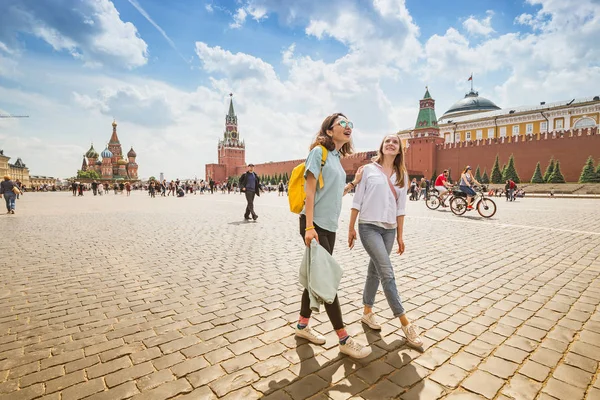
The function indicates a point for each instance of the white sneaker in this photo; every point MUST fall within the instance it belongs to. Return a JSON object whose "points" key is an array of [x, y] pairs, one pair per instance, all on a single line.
{"points": [[412, 337], [354, 349], [371, 321], [310, 335]]}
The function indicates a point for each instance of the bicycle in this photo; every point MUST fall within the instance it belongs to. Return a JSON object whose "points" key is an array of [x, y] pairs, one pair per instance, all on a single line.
{"points": [[433, 201], [485, 206]]}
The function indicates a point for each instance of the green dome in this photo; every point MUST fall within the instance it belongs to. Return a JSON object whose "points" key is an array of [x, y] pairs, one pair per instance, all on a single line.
{"points": [[91, 153], [122, 162], [472, 103]]}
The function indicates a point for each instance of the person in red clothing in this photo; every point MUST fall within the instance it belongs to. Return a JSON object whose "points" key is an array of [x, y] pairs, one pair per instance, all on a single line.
{"points": [[511, 190], [442, 186]]}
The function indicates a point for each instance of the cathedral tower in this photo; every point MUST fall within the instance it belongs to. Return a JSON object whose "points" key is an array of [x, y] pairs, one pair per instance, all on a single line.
{"points": [[114, 145]]}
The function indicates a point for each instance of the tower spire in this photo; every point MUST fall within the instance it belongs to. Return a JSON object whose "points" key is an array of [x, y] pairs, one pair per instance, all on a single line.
{"points": [[231, 113]]}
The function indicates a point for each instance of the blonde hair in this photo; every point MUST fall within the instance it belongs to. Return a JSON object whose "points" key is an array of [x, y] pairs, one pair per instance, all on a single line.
{"points": [[7, 177], [399, 166]]}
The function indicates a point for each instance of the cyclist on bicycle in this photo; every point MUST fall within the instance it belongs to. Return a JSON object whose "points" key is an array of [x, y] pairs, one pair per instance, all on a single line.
{"points": [[467, 180], [442, 186]]}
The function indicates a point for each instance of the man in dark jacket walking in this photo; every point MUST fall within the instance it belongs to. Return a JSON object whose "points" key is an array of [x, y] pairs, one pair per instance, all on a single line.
{"points": [[250, 184]]}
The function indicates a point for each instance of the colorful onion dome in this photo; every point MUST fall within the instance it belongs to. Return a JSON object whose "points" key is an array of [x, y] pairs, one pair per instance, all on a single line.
{"points": [[91, 153], [122, 162], [98, 162], [131, 153], [107, 153]]}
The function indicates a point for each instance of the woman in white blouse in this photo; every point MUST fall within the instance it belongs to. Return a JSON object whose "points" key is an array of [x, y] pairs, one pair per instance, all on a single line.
{"points": [[381, 201]]}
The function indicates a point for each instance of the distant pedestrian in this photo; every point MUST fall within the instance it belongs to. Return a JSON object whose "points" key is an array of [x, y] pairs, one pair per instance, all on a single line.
{"points": [[9, 190], [250, 184], [280, 188]]}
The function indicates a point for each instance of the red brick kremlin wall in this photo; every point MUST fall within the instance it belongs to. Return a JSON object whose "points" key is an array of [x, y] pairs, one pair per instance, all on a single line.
{"points": [[571, 148], [426, 155]]}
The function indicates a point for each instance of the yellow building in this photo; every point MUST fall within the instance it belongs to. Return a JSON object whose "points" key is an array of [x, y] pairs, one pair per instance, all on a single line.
{"points": [[40, 181], [475, 118], [17, 171]]}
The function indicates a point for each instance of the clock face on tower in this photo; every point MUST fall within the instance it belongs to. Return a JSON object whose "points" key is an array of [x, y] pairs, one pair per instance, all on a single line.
{"points": [[234, 135]]}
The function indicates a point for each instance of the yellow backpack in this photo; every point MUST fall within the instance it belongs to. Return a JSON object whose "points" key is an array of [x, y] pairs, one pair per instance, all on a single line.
{"points": [[296, 193]]}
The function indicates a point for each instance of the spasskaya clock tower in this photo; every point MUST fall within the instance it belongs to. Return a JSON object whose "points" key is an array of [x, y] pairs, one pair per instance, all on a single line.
{"points": [[231, 150]]}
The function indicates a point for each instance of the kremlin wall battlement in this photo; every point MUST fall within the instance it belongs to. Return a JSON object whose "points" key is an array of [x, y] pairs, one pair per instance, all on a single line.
{"points": [[570, 147]]}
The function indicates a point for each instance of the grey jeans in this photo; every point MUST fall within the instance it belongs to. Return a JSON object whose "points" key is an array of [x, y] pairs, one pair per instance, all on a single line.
{"points": [[378, 243]]}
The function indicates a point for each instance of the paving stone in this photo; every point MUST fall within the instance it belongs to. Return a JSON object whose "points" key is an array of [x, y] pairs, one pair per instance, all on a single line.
{"points": [[520, 387], [123, 391], [483, 383], [106, 368], [155, 379], [42, 376], [240, 362], [546, 357], [408, 375], [465, 360], [584, 363], [82, 390], [449, 375], [562, 390], [270, 366], [233, 381], [145, 355], [573, 376], [375, 370], [499, 367], [202, 393], [275, 381], [511, 354], [306, 387], [383, 390], [128, 374], [586, 350], [165, 391], [535, 371]]}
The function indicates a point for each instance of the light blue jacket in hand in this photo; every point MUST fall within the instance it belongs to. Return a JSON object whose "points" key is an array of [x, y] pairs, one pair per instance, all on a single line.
{"points": [[320, 274]]}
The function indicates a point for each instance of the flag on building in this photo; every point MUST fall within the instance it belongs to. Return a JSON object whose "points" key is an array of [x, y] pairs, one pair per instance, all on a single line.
{"points": [[470, 78]]}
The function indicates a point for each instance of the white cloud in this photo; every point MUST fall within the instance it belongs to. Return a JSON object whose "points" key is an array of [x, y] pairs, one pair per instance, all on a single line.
{"points": [[481, 27], [238, 18], [90, 30], [208, 7]]}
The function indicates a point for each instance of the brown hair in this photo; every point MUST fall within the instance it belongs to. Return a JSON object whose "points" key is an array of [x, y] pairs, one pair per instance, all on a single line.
{"points": [[399, 167], [326, 141]]}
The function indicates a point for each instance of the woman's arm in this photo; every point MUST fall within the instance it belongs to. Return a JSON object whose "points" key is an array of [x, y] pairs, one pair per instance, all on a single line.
{"points": [[309, 208], [351, 230], [399, 233]]}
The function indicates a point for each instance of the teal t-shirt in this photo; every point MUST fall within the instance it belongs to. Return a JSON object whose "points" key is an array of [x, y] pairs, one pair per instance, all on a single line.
{"points": [[328, 199]]}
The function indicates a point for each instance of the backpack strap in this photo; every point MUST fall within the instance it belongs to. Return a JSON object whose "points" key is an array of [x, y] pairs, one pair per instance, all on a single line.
{"points": [[391, 185], [323, 160]]}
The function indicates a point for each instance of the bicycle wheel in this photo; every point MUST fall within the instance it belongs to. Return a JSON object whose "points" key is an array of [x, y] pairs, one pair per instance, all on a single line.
{"points": [[458, 205], [432, 202], [486, 207]]}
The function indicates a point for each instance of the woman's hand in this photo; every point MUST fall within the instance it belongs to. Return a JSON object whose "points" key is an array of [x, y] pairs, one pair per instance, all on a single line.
{"points": [[401, 247], [309, 235], [358, 175], [351, 237]]}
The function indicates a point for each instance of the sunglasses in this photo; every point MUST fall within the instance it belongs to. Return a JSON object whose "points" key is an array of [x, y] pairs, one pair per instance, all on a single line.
{"points": [[345, 124]]}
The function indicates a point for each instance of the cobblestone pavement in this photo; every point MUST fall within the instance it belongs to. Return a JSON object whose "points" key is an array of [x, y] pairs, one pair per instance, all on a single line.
{"points": [[113, 297]]}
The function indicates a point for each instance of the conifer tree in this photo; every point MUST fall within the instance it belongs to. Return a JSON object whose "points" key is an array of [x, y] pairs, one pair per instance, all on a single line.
{"points": [[510, 172], [496, 172], [549, 170], [478, 174], [433, 177], [450, 176], [556, 176], [537, 175], [485, 178], [588, 174]]}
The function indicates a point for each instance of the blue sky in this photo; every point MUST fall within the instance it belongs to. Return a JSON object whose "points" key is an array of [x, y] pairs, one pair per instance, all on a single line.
{"points": [[163, 70]]}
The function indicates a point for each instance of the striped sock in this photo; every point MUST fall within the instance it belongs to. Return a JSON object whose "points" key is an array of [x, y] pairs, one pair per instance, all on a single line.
{"points": [[342, 335], [302, 322]]}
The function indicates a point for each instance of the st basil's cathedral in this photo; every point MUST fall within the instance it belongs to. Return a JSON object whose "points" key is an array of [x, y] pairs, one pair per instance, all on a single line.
{"points": [[110, 164]]}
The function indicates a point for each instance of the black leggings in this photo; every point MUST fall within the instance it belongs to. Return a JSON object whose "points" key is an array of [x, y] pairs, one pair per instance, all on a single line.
{"points": [[334, 311]]}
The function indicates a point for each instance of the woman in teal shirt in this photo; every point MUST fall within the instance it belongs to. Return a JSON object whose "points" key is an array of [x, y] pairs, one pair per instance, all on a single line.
{"points": [[319, 218]]}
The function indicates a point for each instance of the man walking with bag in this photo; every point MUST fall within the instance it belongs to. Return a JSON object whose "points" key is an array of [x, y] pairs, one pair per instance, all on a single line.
{"points": [[250, 184]]}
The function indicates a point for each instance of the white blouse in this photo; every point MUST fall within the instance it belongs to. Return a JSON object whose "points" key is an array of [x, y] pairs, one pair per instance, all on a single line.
{"points": [[375, 200]]}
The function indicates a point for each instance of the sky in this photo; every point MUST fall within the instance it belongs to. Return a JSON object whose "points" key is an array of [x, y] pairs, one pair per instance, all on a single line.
{"points": [[164, 70]]}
